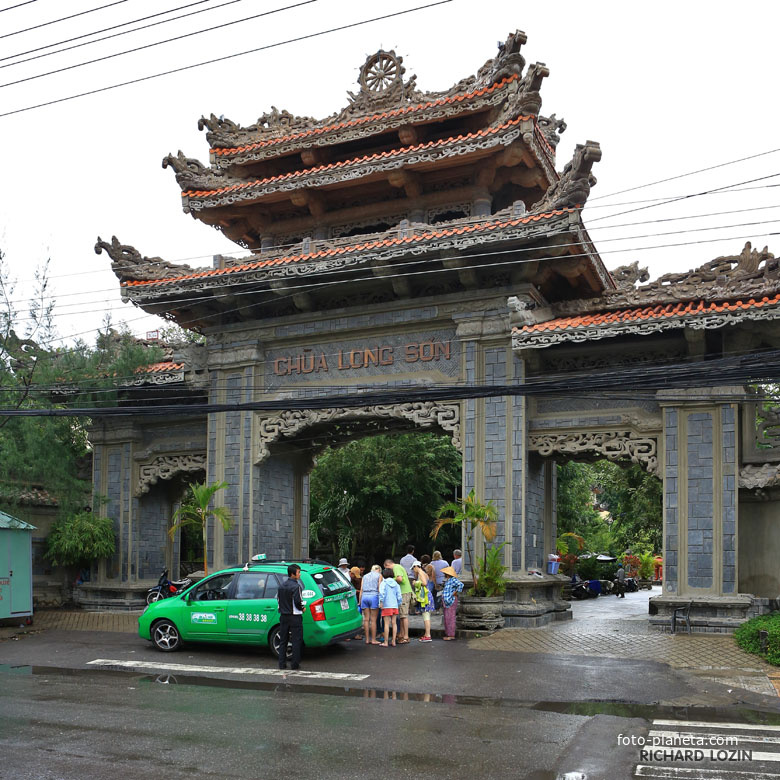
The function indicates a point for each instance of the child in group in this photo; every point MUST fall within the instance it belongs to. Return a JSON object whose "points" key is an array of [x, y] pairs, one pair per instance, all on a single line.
{"points": [[421, 593], [389, 600]]}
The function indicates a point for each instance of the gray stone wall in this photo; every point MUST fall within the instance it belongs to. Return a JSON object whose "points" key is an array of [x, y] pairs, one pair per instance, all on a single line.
{"points": [[700, 500], [729, 498], [671, 503], [535, 512], [495, 410], [274, 500], [153, 512], [518, 465]]}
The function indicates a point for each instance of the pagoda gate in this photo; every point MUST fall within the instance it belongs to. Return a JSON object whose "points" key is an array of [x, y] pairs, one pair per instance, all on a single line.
{"points": [[426, 240]]}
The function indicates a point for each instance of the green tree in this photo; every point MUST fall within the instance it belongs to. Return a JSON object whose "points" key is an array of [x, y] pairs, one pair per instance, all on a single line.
{"points": [[52, 452], [79, 539], [373, 494], [196, 511], [472, 515]]}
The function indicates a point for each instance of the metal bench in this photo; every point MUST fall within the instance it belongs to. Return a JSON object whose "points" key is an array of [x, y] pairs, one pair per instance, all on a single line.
{"points": [[683, 614]]}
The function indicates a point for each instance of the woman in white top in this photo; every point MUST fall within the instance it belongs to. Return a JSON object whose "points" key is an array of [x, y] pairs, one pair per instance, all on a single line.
{"points": [[368, 599]]}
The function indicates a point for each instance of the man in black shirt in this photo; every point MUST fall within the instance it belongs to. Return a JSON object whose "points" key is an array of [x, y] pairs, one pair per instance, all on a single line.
{"points": [[290, 617]]}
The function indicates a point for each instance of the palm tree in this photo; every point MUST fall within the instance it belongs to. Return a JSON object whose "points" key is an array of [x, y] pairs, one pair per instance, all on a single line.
{"points": [[195, 511], [473, 515]]}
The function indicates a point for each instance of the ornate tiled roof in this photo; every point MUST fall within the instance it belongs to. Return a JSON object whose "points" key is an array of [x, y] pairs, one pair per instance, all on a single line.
{"points": [[724, 291], [322, 175], [403, 114], [418, 234]]}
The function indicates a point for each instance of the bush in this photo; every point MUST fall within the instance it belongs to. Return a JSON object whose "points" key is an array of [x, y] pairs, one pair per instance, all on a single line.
{"points": [[80, 539], [747, 637]]}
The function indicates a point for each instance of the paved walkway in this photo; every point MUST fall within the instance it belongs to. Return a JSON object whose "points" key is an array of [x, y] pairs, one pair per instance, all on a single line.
{"points": [[609, 627]]}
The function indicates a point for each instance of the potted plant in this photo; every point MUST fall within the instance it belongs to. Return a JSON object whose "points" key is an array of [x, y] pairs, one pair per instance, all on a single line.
{"points": [[645, 570], [480, 606]]}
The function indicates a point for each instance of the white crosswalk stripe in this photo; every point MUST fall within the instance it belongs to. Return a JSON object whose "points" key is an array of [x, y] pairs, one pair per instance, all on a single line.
{"points": [[162, 666], [697, 750]]}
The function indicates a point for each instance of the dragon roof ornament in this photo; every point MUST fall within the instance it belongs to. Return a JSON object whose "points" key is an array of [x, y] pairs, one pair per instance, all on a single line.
{"points": [[382, 88], [575, 182], [128, 263]]}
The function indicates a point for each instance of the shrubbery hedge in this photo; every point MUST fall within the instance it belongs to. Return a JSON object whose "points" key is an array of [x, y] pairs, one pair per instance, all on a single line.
{"points": [[747, 637]]}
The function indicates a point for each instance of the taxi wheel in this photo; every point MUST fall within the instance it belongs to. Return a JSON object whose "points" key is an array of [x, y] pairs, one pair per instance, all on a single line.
{"points": [[166, 636], [273, 644]]}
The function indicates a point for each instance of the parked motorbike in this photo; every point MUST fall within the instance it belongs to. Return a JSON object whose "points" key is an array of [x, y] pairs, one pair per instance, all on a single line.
{"points": [[631, 585], [166, 588], [585, 589]]}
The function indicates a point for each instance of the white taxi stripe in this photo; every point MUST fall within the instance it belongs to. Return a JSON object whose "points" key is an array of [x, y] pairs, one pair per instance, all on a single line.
{"points": [[253, 670], [683, 773], [715, 726], [687, 738]]}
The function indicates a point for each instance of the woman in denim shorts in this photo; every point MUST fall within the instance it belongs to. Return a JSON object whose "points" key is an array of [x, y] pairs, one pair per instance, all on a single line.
{"points": [[369, 603]]}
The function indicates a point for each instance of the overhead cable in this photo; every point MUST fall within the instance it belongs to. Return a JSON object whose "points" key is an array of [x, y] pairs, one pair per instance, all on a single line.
{"points": [[61, 19]]}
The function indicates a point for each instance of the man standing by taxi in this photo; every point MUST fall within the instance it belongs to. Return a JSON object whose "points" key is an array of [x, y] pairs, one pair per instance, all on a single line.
{"points": [[402, 578], [290, 617]]}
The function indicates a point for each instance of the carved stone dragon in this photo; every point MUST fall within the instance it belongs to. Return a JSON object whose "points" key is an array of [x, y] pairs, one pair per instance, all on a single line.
{"points": [[129, 265], [193, 174], [576, 180]]}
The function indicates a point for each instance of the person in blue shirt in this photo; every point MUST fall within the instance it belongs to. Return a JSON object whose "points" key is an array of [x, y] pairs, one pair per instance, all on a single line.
{"points": [[389, 602]]}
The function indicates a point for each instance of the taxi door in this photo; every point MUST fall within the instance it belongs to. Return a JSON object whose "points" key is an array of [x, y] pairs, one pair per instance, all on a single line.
{"points": [[253, 608], [206, 609]]}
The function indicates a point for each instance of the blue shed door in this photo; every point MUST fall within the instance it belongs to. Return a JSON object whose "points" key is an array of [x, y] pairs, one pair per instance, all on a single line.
{"points": [[20, 572]]}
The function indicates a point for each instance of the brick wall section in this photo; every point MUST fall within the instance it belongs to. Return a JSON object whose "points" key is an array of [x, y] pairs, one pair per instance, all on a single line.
{"points": [[467, 424], [232, 455], [113, 485], [495, 438], [518, 463], [700, 499], [274, 507], [247, 550], [534, 512], [153, 518], [671, 502], [729, 499]]}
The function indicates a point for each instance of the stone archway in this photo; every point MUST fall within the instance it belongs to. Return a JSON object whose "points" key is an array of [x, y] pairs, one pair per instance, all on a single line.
{"points": [[289, 424]]}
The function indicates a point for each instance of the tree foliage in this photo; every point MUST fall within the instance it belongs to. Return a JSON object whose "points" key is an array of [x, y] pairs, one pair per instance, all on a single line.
{"points": [[631, 496], [195, 511], [79, 539], [52, 452], [373, 495]]}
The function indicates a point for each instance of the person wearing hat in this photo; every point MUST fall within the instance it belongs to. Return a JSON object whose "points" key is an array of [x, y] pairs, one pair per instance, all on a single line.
{"points": [[449, 600], [343, 571], [422, 595]]}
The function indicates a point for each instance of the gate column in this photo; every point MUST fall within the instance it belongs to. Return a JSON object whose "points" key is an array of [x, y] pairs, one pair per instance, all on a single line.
{"points": [[700, 507]]}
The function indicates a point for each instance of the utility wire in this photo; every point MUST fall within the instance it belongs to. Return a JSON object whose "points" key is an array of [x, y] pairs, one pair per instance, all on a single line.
{"points": [[155, 43], [226, 57], [113, 27], [18, 5], [61, 19], [684, 175]]}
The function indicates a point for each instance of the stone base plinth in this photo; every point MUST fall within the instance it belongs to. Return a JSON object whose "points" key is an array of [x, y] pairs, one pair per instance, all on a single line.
{"points": [[532, 602], [709, 614], [119, 597]]}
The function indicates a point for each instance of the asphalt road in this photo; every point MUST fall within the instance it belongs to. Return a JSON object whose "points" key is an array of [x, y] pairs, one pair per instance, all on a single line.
{"points": [[433, 710]]}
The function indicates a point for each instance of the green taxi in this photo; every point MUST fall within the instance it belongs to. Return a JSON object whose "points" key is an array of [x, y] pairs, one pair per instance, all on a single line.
{"points": [[239, 606]]}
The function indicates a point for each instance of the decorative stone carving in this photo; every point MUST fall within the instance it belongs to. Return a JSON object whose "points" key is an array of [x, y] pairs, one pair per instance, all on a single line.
{"points": [[551, 128], [167, 467], [425, 414], [626, 276], [193, 174], [128, 263], [157, 378], [609, 360], [753, 477], [574, 185], [613, 445]]}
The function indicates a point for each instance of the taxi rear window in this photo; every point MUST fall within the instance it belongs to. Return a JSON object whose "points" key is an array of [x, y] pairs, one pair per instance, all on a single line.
{"points": [[330, 582]]}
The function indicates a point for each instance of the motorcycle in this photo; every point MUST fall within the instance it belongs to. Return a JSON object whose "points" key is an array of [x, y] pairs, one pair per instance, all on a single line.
{"points": [[585, 589], [166, 588]]}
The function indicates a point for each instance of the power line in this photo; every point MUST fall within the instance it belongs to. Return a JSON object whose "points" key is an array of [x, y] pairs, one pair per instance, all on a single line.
{"points": [[113, 27], [689, 173], [226, 57], [61, 19], [155, 43], [18, 5]]}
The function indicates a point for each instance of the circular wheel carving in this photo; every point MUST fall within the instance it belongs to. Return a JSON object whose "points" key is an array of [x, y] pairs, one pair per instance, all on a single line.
{"points": [[380, 72]]}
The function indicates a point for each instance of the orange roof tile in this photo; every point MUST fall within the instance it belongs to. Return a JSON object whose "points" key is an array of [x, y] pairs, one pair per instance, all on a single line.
{"points": [[657, 312], [330, 252], [227, 151], [365, 158], [160, 368]]}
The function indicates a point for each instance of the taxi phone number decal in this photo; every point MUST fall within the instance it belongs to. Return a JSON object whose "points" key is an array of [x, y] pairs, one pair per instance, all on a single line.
{"points": [[250, 618]]}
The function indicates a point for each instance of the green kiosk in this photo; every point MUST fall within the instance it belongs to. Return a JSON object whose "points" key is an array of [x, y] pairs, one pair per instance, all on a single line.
{"points": [[15, 567]]}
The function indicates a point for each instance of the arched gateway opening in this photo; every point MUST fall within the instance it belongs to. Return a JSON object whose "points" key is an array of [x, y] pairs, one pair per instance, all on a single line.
{"points": [[423, 243]]}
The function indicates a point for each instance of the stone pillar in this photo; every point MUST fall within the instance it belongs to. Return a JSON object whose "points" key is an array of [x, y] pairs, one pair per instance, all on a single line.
{"points": [[700, 505]]}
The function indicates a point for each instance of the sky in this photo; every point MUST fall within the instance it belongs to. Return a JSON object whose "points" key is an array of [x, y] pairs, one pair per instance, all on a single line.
{"points": [[666, 88]]}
